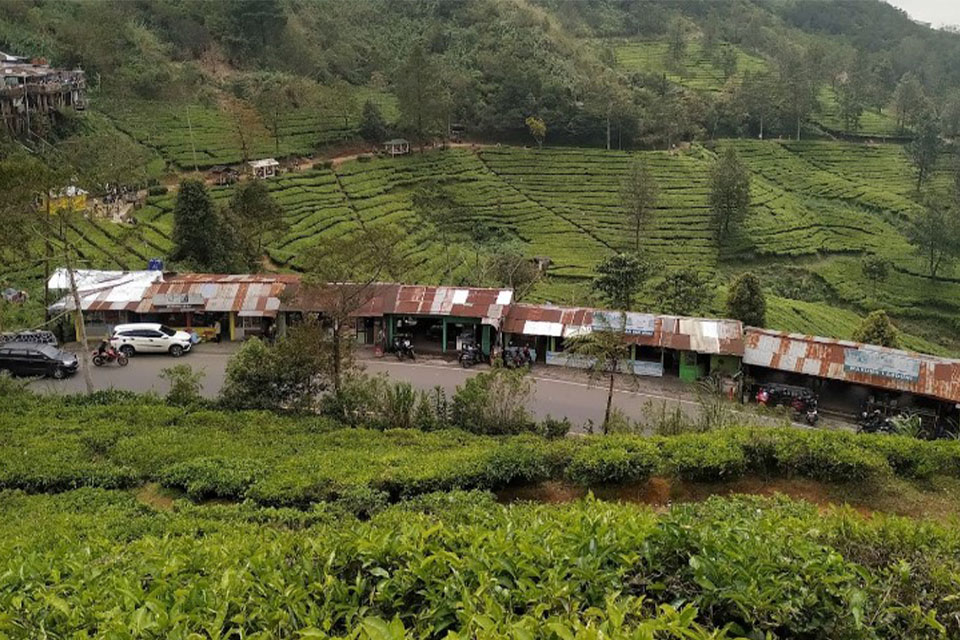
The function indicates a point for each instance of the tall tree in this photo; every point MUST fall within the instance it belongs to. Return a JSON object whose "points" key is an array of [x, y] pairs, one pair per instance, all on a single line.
{"points": [[619, 278], [437, 206], [729, 192], [682, 293], [935, 233], [850, 100], [876, 269], [746, 301], [677, 41], [924, 149], [638, 195], [538, 129], [202, 237], [255, 212], [341, 273], [373, 128], [877, 329], [909, 101], [798, 86], [418, 93]]}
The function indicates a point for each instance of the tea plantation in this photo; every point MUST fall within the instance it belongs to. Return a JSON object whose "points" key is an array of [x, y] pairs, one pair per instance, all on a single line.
{"points": [[818, 207], [366, 534]]}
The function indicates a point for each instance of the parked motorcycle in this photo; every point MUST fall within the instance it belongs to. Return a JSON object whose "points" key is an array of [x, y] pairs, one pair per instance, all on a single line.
{"points": [[101, 358], [470, 355], [403, 347], [806, 408], [517, 357], [874, 422]]}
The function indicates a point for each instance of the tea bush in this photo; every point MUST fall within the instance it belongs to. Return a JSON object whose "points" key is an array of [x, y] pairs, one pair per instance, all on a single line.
{"points": [[613, 459], [704, 456], [95, 563]]}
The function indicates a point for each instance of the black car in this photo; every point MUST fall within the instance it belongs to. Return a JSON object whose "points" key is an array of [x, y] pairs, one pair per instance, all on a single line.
{"points": [[32, 359]]}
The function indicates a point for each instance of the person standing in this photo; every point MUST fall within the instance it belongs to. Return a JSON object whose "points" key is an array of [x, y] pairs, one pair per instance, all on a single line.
{"points": [[216, 331]]}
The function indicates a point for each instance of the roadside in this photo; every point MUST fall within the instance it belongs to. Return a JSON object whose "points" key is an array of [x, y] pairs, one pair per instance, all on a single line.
{"points": [[558, 392]]}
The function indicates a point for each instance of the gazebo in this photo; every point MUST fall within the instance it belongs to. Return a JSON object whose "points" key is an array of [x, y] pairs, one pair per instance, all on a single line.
{"points": [[397, 147], [266, 168]]}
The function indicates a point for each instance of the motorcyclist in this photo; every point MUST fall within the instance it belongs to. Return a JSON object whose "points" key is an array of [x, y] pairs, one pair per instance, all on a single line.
{"points": [[104, 347]]}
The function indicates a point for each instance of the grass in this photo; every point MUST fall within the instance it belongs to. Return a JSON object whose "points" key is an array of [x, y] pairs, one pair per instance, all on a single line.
{"points": [[696, 69]]}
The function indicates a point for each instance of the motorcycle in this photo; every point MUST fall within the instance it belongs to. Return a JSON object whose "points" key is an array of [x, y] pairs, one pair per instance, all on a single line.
{"points": [[517, 357], [874, 422], [101, 358], [403, 347], [806, 408], [470, 355]]}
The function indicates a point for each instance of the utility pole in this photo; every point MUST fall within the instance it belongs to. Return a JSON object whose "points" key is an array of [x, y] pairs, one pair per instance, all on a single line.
{"points": [[193, 145], [81, 325]]}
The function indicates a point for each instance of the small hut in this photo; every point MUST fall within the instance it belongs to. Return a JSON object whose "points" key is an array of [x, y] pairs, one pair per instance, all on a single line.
{"points": [[222, 175], [397, 147], [263, 169]]}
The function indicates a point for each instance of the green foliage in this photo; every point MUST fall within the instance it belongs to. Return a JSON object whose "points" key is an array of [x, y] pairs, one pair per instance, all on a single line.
{"points": [[537, 128], [185, 384], [201, 236], [638, 195], [613, 459], [746, 301], [877, 329], [620, 277], [494, 402], [682, 293], [729, 192], [373, 128], [255, 213], [924, 149]]}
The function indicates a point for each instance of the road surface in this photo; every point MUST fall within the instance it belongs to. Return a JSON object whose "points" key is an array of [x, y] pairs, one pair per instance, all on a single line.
{"points": [[559, 398]]}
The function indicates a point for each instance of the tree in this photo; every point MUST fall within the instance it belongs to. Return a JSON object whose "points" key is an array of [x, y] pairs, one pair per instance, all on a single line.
{"points": [[419, 94], [373, 128], [341, 275], [494, 402], [538, 129], [245, 121], [202, 237], [909, 101], [677, 44], [746, 301], [935, 233], [290, 375], [682, 293], [876, 269], [924, 149], [758, 97], [275, 94], [729, 192], [638, 195], [605, 351], [619, 279], [255, 213], [850, 100], [728, 61], [437, 206], [508, 267], [798, 85], [877, 329]]}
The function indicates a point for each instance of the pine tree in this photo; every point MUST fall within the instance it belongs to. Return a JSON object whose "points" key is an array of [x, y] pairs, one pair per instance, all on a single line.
{"points": [[746, 301]]}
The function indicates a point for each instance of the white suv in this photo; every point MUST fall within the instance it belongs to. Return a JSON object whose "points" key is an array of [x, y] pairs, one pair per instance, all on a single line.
{"points": [[149, 337]]}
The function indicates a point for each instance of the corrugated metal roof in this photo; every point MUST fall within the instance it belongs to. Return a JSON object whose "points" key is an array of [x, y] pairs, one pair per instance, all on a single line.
{"points": [[544, 320], [853, 362], [247, 295], [103, 290]]}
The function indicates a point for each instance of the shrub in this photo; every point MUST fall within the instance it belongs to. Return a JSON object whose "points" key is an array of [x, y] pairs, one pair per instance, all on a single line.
{"points": [[214, 477], [551, 427], [397, 405], [494, 402], [613, 459], [827, 456], [157, 190], [712, 456], [185, 385]]}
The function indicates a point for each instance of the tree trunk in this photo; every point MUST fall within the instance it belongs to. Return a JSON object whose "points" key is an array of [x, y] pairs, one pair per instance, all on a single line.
{"points": [[85, 352], [798, 127], [608, 129], [761, 126], [606, 414], [636, 246], [336, 357]]}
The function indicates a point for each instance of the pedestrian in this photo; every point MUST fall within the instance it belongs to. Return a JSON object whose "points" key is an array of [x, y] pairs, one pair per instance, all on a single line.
{"points": [[216, 331]]}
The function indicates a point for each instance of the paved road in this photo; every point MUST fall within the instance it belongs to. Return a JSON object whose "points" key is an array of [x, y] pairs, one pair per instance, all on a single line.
{"points": [[577, 401]]}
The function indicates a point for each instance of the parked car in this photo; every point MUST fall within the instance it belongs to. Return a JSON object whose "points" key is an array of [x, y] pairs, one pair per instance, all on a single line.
{"points": [[149, 337], [37, 359]]}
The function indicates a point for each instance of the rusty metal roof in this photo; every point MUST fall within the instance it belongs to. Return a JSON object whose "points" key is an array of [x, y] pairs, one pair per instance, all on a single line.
{"points": [[547, 320], [703, 335], [245, 295], [854, 362], [488, 305]]}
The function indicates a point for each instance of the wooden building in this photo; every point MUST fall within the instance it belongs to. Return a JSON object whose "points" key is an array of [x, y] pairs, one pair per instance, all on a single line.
{"points": [[31, 91]]}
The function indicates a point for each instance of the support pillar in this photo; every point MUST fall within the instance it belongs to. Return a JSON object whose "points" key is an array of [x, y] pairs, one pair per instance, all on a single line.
{"points": [[232, 325], [485, 339], [443, 347]]}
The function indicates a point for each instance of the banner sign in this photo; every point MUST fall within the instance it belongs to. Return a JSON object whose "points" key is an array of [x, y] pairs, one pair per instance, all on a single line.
{"points": [[192, 299], [638, 367], [637, 324], [882, 364]]}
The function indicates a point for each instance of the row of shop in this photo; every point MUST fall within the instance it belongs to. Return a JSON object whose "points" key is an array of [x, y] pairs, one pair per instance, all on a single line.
{"points": [[437, 319]]}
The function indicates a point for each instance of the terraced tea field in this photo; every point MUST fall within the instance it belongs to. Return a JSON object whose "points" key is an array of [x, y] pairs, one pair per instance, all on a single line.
{"points": [[818, 207], [696, 70], [202, 135]]}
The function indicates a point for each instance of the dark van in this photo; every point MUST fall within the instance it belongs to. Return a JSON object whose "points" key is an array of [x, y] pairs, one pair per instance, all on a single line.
{"points": [[32, 359]]}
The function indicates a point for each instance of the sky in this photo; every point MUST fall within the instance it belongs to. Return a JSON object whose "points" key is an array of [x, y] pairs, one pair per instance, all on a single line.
{"points": [[936, 12]]}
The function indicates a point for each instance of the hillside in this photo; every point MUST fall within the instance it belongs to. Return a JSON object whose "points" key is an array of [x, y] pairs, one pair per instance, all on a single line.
{"points": [[181, 88]]}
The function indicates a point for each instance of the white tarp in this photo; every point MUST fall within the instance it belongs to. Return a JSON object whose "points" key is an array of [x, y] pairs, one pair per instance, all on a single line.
{"points": [[105, 286], [637, 324]]}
